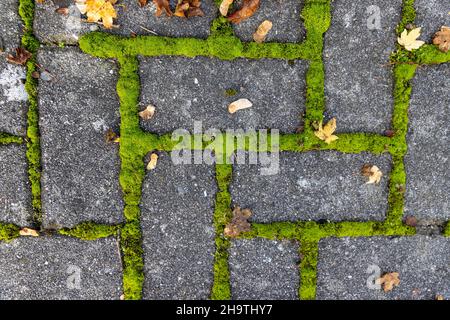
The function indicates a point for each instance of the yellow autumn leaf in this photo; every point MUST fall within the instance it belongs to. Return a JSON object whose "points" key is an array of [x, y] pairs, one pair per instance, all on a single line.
{"points": [[97, 10], [325, 133], [389, 281], [409, 41], [153, 162], [27, 232], [373, 173]]}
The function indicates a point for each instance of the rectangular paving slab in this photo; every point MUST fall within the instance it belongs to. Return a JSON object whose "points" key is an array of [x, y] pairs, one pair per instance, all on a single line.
{"points": [[13, 98], [348, 267], [314, 185], [426, 163], [15, 192], [431, 16], [50, 26], [358, 79], [177, 225], [185, 90], [57, 268], [79, 104], [10, 25], [263, 269], [284, 15]]}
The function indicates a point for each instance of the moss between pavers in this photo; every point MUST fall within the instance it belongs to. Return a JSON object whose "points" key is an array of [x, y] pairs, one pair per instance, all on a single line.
{"points": [[6, 138], [90, 231], [8, 232], [447, 230]]}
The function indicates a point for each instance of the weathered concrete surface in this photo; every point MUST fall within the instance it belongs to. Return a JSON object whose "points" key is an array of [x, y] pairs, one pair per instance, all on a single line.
{"points": [[15, 193], [80, 179], [431, 16], [13, 98], [264, 269], [346, 265], [57, 268], [313, 185], [358, 79], [52, 27], [426, 163], [177, 225], [186, 90], [285, 16], [10, 25]]}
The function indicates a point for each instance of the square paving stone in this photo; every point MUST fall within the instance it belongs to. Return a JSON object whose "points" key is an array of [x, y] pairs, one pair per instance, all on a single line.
{"points": [[285, 16], [431, 16], [426, 163], [10, 25], [13, 98], [314, 185], [177, 223], [185, 90], [264, 270], [80, 177], [57, 268], [348, 267], [15, 192], [50, 26], [358, 80]]}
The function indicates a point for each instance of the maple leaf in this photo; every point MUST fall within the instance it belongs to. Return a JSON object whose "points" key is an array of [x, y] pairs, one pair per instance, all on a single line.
{"points": [[248, 9], [442, 38], [97, 10], [21, 57], [153, 162], [27, 232], [262, 31], [239, 224], [326, 133], [372, 172], [388, 281], [148, 113], [225, 6], [409, 39], [188, 8], [162, 5]]}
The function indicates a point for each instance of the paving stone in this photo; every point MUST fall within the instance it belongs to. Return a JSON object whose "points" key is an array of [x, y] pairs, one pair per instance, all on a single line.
{"points": [[431, 16], [426, 163], [177, 223], [347, 265], [359, 82], [13, 98], [57, 268], [10, 25], [15, 193], [187, 90], [285, 16], [314, 185], [50, 26], [80, 170], [264, 269]]}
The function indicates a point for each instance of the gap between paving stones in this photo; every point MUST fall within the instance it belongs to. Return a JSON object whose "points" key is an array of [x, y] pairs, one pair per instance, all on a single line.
{"points": [[135, 144]]}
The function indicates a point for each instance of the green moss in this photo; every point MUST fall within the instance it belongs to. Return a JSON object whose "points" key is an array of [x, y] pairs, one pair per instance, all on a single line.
{"points": [[447, 230], [309, 251], [6, 138], [8, 232], [231, 92], [408, 15], [90, 231], [133, 262]]}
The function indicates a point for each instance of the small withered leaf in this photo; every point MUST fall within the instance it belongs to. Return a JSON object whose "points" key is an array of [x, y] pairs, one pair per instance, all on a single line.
{"points": [[261, 33], [239, 223], [325, 133], [62, 11], [153, 162], [27, 232], [442, 39], [224, 7], [148, 113], [162, 5], [389, 133], [111, 136], [142, 2], [247, 10], [389, 281], [372, 172], [21, 57], [188, 8], [411, 221]]}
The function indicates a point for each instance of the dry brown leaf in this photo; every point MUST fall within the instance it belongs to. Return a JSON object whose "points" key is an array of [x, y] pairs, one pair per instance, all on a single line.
{"points": [[142, 2], [27, 232], [239, 224], [325, 133], [225, 6], [409, 39], [21, 57], [372, 172], [440, 297], [411, 221], [62, 11], [148, 113], [248, 9], [442, 38], [239, 105], [188, 8], [162, 5], [262, 31], [98, 10], [153, 162], [111, 137], [389, 281]]}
